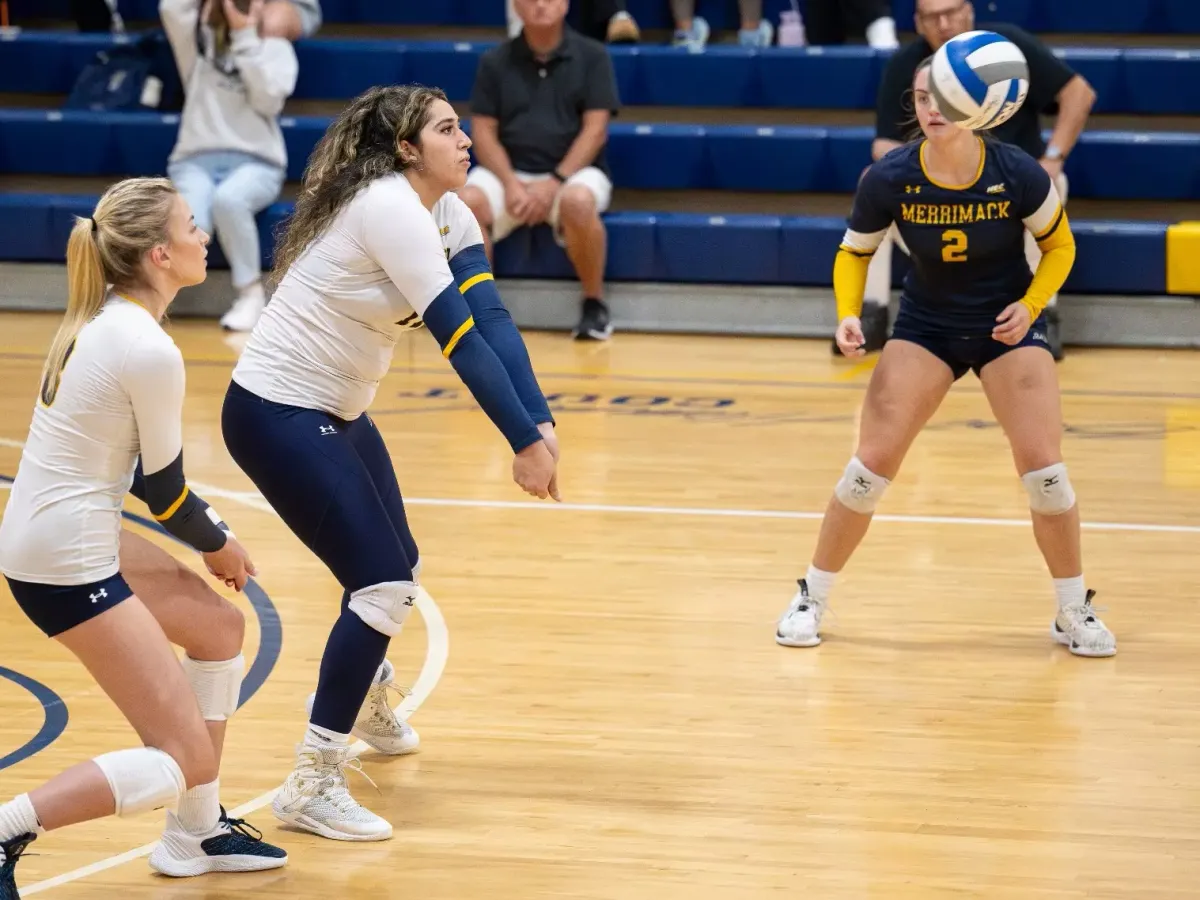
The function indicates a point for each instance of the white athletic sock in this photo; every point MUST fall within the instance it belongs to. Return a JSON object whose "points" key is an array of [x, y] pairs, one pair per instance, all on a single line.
{"points": [[820, 582], [17, 817], [322, 738], [881, 34], [1070, 591], [385, 673], [200, 808]]}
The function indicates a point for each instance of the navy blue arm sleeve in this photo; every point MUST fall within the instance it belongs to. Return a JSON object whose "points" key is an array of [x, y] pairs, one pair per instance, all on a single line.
{"points": [[449, 320], [492, 319]]}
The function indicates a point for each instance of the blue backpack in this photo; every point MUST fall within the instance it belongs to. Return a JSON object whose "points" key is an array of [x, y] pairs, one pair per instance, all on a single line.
{"points": [[132, 76]]}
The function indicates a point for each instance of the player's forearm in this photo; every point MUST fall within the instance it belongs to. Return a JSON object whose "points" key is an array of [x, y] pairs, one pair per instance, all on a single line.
{"points": [[850, 281], [1058, 256], [495, 323], [1075, 103]]}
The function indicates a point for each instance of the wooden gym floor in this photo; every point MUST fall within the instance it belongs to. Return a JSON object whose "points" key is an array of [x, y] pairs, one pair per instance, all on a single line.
{"points": [[603, 710]]}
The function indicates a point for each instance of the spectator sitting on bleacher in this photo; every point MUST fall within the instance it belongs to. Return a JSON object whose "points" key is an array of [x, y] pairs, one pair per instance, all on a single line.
{"points": [[229, 159], [540, 111], [1051, 82], [604, 20], [692, 31]]}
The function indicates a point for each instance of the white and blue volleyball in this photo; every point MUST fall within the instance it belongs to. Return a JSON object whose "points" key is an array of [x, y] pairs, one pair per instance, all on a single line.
{"points": [[979, 79]]}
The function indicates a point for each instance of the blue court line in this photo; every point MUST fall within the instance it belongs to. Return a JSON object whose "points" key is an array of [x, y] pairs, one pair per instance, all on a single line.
{"points": [[53, 725], [269, 645]]}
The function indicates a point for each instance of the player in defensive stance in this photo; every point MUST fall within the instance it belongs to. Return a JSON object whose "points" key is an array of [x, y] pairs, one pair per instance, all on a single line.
{"points": [[970, 302], [378, 245], [112, 389]]}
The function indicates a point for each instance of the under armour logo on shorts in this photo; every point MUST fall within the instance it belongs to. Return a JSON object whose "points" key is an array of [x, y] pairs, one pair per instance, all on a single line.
{"points": [[328, 429], [98, 596]]}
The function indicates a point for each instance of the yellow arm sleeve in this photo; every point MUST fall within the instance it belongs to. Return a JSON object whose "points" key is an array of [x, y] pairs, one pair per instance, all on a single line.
{"points": [[1057, 244], [850, 281]]}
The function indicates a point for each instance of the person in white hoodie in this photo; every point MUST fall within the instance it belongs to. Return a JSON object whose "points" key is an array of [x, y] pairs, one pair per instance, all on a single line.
{"points": [[229, 160]]}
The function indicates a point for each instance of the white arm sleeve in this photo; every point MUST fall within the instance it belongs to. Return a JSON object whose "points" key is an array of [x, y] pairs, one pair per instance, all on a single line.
{"points": [[179, 22], [154, 379], [268, 68], [400, 235]]}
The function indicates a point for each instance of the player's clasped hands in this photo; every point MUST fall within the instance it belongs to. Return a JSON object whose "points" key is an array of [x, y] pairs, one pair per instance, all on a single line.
{"points": [[535, 469], [231, 564], [1012, 324], [849, 336]]}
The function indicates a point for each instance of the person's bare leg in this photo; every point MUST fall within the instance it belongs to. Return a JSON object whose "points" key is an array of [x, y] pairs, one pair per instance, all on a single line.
{"points": [[585, 238], [128, 655], [1022, 388], [906, 388], [280, 18], [192, 615]]}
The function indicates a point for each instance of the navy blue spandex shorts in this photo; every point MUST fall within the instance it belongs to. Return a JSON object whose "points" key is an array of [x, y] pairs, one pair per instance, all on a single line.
{"points": [[55, 608], [331, 481], [964, 353]]}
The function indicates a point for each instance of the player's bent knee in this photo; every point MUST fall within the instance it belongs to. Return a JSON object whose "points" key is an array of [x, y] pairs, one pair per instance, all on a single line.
{"points": [[860, 489], [386, 606], [142, 779], [217, 685], [1049, 489]]}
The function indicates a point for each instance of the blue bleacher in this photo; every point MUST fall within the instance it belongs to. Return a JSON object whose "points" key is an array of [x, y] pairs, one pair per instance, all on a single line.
{"points": [[1078, 16], [1105, 164], [1127, 81], [1113, 257]]}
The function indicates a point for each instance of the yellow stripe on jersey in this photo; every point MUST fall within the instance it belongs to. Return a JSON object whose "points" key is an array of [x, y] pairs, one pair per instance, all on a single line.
{"points": [[1183, 258], [1058, 256], [474, 280], [849, 282], [457, 336], [174, 507]]}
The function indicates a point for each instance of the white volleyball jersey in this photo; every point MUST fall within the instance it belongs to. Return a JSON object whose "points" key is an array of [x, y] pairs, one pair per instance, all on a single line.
{"points": [[120, 395], [326, 339]]}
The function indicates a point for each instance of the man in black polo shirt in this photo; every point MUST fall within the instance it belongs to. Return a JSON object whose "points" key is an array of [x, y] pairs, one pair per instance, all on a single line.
{"points": [[1051, 82], [540, 111]]}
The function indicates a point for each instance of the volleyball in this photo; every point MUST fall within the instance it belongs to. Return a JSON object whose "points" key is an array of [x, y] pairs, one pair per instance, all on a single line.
{"points": [[979, 79]]}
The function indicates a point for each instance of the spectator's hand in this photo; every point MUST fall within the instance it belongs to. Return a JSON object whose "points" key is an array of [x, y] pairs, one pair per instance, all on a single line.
{"points": [[1012, 325], [1053, 167], [541, 199], [849, 337], [237, 20], [516, 198]]}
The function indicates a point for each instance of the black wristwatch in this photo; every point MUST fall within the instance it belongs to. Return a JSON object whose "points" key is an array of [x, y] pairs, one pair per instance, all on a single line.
{"points": [[554, 174]]}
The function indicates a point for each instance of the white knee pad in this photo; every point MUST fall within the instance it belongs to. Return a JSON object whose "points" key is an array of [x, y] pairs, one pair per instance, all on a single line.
{"points": [[1049, 489], [860, 488], [142, 779], [217, 685], [386, 606]]}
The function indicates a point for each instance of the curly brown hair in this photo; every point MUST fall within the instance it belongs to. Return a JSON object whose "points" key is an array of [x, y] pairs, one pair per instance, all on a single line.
{"points": [[361, 145]]}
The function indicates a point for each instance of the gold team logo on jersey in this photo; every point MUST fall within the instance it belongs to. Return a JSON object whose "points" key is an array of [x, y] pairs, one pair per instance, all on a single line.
{"points": [[912, 189], [954, 213], [445, 230], [996, 188]]}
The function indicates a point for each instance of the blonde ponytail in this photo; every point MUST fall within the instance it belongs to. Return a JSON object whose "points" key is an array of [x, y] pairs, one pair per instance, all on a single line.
{"points": [[130, 219]]}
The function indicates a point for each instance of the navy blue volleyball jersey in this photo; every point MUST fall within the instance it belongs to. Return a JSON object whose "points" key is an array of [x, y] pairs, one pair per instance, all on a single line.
{"points": [[967, 242]]}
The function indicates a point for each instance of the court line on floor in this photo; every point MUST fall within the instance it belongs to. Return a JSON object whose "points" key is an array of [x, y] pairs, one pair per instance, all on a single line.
{"points": [[437, 653], [255, 500]]}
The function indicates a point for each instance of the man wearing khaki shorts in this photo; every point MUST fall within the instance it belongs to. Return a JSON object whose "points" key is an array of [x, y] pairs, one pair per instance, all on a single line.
{"points": [[540, 108]]}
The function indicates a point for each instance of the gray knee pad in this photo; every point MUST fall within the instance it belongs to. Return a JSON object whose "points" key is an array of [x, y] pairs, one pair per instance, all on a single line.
{"points": [[142, 779], [386, 606], [1049, 489], [860, 488]]}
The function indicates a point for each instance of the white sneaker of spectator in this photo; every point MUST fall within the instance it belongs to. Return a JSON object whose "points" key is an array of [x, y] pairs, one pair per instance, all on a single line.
{"points": [[762, 36], [246, 309]]}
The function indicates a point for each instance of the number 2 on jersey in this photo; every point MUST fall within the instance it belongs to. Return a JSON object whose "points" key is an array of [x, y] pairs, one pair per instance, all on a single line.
{"points": [[955, 249]]}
